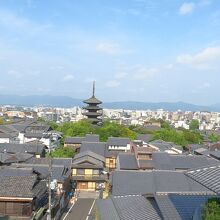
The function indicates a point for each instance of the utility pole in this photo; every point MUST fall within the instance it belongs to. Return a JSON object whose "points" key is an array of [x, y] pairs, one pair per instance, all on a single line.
{"points": [[49, 185]]}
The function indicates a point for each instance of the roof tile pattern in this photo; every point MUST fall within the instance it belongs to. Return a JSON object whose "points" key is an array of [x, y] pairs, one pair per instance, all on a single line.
{"points": [[151, 182], [17, 186], [208, 177], [135, 207]]}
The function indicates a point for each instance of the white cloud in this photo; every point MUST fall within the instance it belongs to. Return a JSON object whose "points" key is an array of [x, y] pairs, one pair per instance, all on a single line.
{"points": [[142, 73], [16, 22], [187, 8], [108, 48], [68, 77], [111, 48], [202, 59], [112, 83]]}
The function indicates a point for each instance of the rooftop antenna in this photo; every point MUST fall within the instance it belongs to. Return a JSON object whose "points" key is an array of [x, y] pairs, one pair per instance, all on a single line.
{"points": [[93, 92]]}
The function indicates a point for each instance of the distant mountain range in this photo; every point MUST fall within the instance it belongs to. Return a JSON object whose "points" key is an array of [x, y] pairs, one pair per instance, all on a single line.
{"points": [[65, 101]]}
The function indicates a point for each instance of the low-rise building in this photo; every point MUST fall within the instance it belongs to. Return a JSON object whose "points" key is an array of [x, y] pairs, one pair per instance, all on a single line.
{"points": [[87, 171]]}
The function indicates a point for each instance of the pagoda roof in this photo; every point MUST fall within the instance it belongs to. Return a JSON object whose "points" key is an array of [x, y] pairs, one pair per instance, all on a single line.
{"points": [[92, 100], [92, 107], [92, 113]]}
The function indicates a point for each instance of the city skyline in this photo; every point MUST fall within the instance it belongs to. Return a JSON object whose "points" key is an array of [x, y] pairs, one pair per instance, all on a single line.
{"points": [[136, 50]]}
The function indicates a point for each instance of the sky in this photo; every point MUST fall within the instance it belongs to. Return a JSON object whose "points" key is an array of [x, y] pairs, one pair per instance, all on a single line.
{"points": [[135, 50]]}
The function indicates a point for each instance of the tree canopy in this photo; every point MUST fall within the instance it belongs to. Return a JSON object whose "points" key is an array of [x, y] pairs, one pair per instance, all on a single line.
{"points": [[194, 125], [181, 137], [71, 129], [211, 210], [83, 127], [112, 129], [214, 138], [63, 152]]}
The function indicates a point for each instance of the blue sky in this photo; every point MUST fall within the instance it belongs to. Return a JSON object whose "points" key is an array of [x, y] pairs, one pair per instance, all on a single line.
{"points": [[140, 50]]}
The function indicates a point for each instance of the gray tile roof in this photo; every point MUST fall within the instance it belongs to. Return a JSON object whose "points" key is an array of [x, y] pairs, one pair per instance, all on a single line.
{"points": [[7, 132], [215, 154], [144, 137], [202, 151], [118, 141], [59, 172], [6, 171], [167, 208], [207, 176], [6, 135], [74, 140], [22, 148], [106, 209], [193, 147], [92, 138], [88, 159], [90, 154], [6, 158], [127, 208], [20, 186], [79, 140], [112, 153], [146, 164], [163, 145], [127, 161], [135, 207], [67, 162], [151, 182], [165, 161], [96, 147], [36, 135]]}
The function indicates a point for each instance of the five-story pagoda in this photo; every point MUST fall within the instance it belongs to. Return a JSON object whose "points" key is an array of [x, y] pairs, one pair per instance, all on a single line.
{"points": [[93, 110]]}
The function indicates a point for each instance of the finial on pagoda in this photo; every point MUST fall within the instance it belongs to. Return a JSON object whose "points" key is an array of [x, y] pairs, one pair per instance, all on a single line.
{"points": [[93, 92]]}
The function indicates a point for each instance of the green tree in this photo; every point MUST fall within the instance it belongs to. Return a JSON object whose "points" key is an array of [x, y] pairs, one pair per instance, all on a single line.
{"points": [[72, 129], [112, 129], [164, 124], [2, 121], [40, 119], [192, 137], [181, 137], [53, 125], [214, 138], [194, 125], [140, 129], [211, 210], [64, 152]]}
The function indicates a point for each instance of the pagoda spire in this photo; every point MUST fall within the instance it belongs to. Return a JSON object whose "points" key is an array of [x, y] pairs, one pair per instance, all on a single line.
{"points": [[93, 91]]}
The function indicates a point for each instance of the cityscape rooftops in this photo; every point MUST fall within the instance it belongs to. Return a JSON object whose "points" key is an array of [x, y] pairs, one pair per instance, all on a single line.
{"points": [[127, 208], [118, 141], [151, 182]]}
